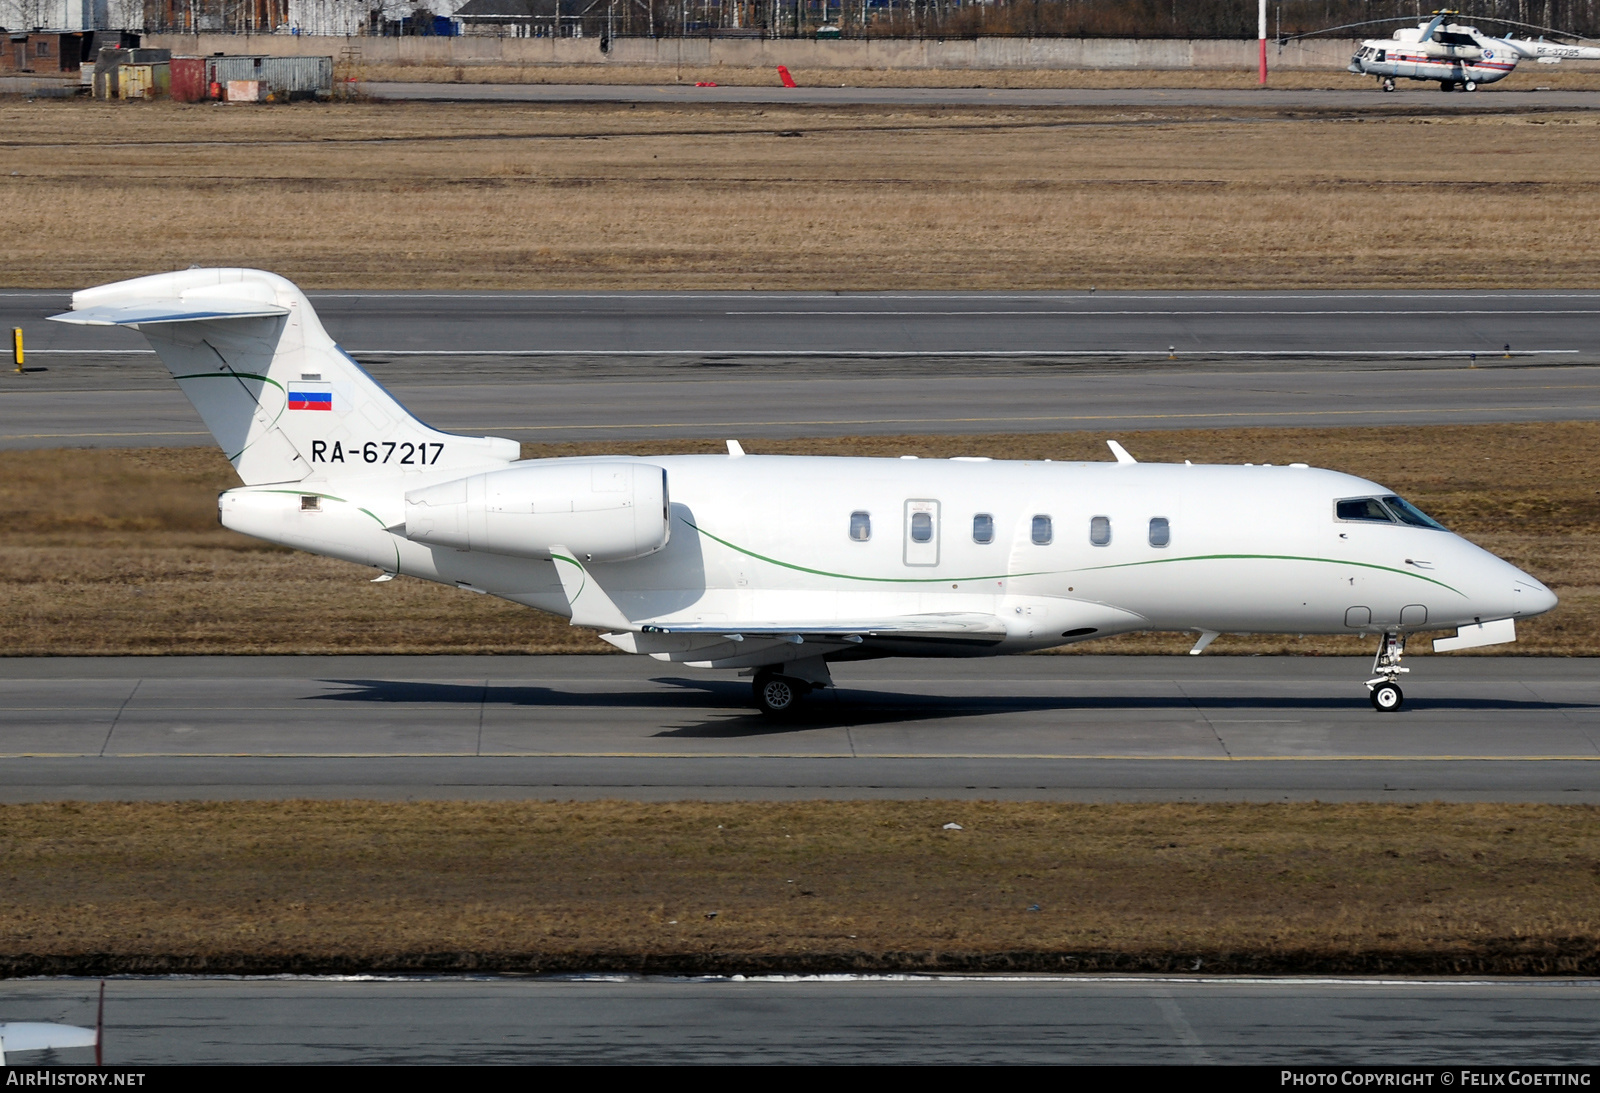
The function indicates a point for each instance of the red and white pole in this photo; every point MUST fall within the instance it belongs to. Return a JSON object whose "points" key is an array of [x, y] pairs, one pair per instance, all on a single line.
{"points": [[1261, 27]]}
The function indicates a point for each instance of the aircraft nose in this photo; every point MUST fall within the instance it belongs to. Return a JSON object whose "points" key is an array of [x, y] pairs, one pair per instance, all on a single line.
{"points": [[1532, 598]]}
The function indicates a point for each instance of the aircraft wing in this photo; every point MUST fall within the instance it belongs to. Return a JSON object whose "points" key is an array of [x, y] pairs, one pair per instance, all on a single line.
{"points": [[40, 1036], [752, 644], [979, 627], [170, 311]]}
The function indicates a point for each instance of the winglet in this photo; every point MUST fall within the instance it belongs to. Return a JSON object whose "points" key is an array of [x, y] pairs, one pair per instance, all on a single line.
{"points": [[589, 602], [1120, 452]]}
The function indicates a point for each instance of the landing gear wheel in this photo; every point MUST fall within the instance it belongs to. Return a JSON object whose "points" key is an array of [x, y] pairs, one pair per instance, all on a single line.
{"points": [[1470, 85], [1388, 84], [777, 695], [1447, 85], [1387, 697]]}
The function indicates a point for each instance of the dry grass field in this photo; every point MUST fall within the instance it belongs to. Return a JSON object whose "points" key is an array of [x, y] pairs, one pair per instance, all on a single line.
{"points": [[612, 196], [119, 552], [816, 886]]}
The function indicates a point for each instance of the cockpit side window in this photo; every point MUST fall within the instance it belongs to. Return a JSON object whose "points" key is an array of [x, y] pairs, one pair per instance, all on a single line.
{"points": [[1410, 514], [1382, 54], [1362, 508]]}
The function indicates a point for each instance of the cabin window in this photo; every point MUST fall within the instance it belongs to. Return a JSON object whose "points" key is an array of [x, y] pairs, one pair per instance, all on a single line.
{"points": [[921, 527], [1410, 514], [1100, 530], [1043, 532], [983, 528], [1362, 508], [1160, 531], [860, 526]]}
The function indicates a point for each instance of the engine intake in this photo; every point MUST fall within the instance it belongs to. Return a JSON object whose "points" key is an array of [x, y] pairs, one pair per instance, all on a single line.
{"points": [[606, 511]]}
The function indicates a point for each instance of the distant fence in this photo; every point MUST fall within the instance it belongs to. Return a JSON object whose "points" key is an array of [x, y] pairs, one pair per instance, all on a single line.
{"points": [[859, 53]]}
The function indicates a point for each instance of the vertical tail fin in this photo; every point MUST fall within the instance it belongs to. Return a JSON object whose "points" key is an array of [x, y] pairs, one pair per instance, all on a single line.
{"points": [[282, 399]]}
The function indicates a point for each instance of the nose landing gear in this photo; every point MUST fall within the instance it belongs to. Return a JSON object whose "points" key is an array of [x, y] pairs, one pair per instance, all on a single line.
{"points": [[1388, 83], [1386, 697], [1384, 688]]}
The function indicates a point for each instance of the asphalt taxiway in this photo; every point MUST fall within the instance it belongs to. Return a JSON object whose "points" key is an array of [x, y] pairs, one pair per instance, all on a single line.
{"points": [[831, 1019], [629, 366], [1048, 728], [1344, 93]]}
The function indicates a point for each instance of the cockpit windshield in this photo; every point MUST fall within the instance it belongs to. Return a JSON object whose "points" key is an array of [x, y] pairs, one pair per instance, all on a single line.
{"points": [[1410, 514], [1362, 508], [1385, 510]]}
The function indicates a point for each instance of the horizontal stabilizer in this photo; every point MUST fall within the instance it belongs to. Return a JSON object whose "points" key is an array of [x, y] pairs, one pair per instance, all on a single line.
{"points": [[190, 310], [1484, 633]]}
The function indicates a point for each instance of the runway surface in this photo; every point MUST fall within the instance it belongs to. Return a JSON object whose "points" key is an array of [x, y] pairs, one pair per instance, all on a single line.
{"points": [[1050, 728], [1349, 93], [574, 366], [622, 1019]]}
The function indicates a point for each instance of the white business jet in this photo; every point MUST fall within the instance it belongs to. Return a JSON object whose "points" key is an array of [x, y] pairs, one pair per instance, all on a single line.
{"points": [[1456, 57], [782, 565]]}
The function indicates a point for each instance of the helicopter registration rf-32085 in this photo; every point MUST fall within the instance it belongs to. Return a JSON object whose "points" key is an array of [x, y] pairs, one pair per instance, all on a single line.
{"points": [[784, 565], [1457, 58]]}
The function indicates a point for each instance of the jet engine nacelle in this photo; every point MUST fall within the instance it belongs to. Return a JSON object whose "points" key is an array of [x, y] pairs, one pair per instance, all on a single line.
{"points": [[606, 511]]}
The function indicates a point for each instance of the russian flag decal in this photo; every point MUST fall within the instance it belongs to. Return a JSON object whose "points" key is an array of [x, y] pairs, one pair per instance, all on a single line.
{"points": [[310, 396]]}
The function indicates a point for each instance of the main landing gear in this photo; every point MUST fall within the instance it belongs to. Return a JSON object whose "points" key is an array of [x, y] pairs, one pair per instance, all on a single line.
{"points": [[1384, 687], [778, 695], [1388, 83], [1463, 85], [780, 688]]}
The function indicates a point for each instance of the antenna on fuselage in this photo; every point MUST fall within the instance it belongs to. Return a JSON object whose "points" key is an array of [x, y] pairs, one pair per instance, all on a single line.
{"points": [[1120, 452]]}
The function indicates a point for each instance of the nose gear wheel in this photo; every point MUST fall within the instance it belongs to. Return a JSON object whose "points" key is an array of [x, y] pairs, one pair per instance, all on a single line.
{"points": [[1384, 687], [1386, 697]]}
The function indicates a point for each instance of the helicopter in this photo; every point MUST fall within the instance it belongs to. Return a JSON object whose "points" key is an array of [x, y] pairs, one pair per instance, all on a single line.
{"points": [[1458, 57]]}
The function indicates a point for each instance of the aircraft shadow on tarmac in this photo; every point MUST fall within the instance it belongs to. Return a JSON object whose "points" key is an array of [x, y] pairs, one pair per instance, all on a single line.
{"points": [[847, 707]]}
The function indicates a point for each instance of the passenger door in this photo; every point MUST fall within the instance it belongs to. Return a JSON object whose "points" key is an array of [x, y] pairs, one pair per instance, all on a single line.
{"points": [[922, 532]]}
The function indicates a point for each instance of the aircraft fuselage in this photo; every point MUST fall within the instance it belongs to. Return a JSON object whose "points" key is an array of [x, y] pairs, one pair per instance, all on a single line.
{"points": [[1057, 551]]}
